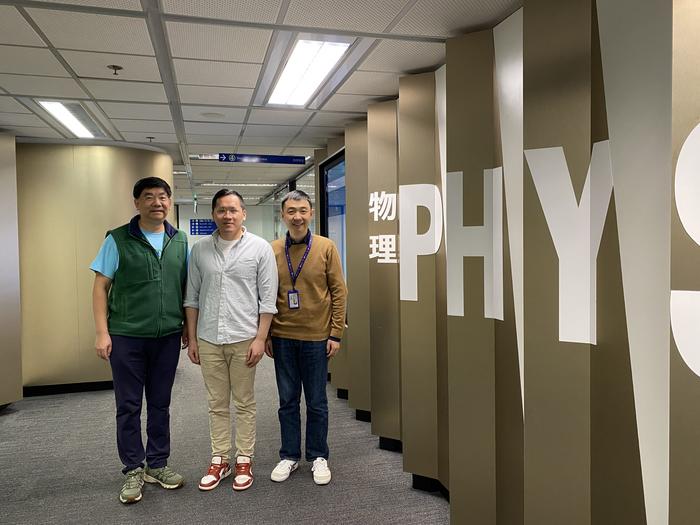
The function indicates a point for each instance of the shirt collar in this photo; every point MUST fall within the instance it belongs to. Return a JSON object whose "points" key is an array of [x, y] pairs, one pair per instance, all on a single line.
{"points": [[289, 241]]}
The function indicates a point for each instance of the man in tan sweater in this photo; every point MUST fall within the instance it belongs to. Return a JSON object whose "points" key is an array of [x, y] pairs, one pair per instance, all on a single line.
{"points": [[306, 332]]}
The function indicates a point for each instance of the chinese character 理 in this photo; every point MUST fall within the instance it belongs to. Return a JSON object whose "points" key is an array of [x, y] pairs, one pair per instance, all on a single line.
{"points": [[383, 248]]}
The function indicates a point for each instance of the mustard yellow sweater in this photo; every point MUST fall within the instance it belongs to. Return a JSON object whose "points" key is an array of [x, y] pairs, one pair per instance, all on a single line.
{"points": [[322, 292]]}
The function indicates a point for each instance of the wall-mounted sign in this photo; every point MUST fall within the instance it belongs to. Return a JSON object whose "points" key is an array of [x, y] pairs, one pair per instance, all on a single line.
{"points": [[202, 226], [262, 159]]}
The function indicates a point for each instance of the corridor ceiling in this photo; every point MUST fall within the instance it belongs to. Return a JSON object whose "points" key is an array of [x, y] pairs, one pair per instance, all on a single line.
{"points": [[196, 73]]}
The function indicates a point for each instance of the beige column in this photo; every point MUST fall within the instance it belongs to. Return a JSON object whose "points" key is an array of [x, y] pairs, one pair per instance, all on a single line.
{"points": [[356, 338], [10, 318], [385, 357]]}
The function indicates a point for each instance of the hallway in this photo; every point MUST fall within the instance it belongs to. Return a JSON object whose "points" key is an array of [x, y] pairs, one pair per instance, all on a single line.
{"points": [[60, 466]]}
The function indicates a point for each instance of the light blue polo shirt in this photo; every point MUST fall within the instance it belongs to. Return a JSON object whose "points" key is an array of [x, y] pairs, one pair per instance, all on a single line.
{"points": [[107, 260]]}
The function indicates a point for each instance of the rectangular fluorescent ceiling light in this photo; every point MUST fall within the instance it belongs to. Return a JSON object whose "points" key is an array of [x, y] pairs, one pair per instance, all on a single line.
{"points": [[250, 185], [68, 119], [309, 64]]}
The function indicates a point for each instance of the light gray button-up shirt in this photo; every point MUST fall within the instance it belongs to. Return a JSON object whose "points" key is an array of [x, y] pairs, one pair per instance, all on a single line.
{"points": [[231, 291]]}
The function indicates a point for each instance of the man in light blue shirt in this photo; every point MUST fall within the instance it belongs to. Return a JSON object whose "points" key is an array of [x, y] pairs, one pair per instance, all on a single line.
{"points": [[230, 300]]}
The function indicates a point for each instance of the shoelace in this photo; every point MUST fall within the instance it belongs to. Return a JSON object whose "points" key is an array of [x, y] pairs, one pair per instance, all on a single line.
{"points": [[319, 465], [242, 469], [164, 473], [133, 480]]}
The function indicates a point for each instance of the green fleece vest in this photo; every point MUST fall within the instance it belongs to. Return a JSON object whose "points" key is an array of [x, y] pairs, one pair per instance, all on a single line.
{"points": [[147, 292]]}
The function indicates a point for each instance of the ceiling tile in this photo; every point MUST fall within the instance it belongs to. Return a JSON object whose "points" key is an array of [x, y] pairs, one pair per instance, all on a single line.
{"points": [[227, 140], [255, 150], [206, 73], [453, 17], [125, 90], [315, 142], [331, 118], [264, 11], [30, 61], [341, 102], [269, 130], [174, 151], [238, 44], [158, 126], [136, 111], [128, 5], [360, 15], [10, 105], [371, 83], [87, 64], [213, 114], [41, 86], [264, 141], [20, 119], [46, 133], [212, 128], [279, 116], [403, 56], [316, 131], [114, 34], [215, 95], [14, 29], [304, 152], [137, 136]]}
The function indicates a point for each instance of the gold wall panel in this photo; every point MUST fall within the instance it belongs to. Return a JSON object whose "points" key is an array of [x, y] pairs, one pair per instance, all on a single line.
{"points": [[10, 309], [382, 151], [69, 197], [357, 265]]}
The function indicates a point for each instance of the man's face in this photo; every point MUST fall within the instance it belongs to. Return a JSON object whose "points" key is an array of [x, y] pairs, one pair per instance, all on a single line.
{"points": [[153, 204], [297, 216], [229, 215]]}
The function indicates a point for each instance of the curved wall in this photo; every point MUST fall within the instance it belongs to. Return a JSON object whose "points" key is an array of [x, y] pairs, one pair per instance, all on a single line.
{"points": [[68, 197]]}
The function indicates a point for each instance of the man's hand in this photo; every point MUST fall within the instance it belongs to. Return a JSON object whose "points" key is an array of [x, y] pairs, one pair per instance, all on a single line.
{"points": [[332, 347], [268, 348], [193, 351], [185, 337], [103, 345], [255, 352]]}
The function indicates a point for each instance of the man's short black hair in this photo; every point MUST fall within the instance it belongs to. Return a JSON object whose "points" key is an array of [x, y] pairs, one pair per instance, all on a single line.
{"points": [[296, 195], [151, 182], [223, 193]]}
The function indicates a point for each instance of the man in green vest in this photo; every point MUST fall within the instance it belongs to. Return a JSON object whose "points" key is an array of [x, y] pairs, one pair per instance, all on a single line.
{"points": [[140, 276]]}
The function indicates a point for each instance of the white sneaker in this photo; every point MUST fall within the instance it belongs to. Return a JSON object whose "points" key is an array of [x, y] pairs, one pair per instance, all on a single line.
{"points": [[322, 474], [283, 470]]}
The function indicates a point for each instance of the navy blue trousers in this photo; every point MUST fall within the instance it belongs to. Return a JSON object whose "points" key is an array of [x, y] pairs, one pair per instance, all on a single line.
{"points": [[138, 365]]}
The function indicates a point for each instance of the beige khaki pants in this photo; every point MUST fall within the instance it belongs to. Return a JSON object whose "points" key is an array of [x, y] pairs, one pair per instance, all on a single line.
{"points": [[226, 376]]}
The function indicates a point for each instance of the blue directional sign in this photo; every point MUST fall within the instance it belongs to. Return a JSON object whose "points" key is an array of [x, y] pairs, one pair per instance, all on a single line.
{"points": [[202, 226], [262, 159]]}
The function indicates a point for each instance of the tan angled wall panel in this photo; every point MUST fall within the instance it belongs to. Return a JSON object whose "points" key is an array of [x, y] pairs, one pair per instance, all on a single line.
{"points": [[685, 265], [82, 191], [10, 309], [385, 357], [357, 343], [471, 337], [557, 374], [419, 367]]}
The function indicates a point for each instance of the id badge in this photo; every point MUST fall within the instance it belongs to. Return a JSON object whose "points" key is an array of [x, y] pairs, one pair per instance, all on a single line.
{"points": [[293, 299]]}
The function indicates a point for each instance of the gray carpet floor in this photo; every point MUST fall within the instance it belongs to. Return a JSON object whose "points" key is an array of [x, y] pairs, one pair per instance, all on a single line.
{"points": [[59, 465]]}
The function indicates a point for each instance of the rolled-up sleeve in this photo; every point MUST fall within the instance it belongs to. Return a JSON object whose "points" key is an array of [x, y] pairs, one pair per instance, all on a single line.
{"points": [[194, 280], [267, 281]]}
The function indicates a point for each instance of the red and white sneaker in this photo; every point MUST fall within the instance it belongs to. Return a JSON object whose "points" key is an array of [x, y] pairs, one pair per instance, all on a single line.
{"points": [[218, 470], [244, 473]]}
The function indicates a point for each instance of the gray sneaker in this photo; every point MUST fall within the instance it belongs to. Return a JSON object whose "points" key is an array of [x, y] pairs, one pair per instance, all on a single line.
{"points": [[131, 490], [164, 476]]}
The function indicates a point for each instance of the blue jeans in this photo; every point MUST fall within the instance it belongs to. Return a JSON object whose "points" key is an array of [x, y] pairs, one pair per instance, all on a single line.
{"points": [[297, 364]]}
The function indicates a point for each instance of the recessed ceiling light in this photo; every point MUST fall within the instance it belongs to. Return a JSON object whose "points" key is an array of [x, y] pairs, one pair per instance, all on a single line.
{"points": [[68, 119], [309, 64]]}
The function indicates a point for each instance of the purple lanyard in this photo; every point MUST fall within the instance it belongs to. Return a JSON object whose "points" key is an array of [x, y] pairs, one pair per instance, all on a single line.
{"points": [[294, 275]]}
